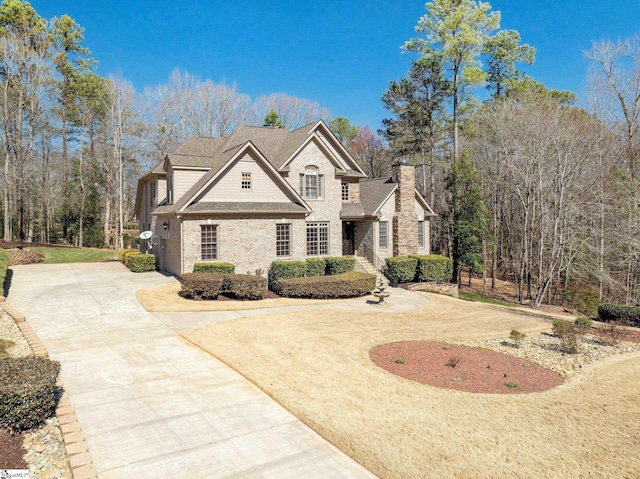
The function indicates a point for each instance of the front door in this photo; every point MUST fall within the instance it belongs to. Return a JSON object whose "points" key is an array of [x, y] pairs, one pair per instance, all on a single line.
{"points": [[348, 234]]}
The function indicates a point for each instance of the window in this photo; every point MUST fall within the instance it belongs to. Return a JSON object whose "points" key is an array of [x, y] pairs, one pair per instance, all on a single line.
{"points": [[420, 234], [246, 181], [209, 242], [383, 235], [317, 238], [169, 189], [345, 191], [311, 183], [283, 239]]}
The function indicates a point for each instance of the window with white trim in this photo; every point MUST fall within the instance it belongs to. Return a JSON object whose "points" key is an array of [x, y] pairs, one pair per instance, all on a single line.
{"points": [[345, 191], [283, 239], [383, 235], [420, 234], [208, 242], [317, 239], [246, 181], [311, 183]]}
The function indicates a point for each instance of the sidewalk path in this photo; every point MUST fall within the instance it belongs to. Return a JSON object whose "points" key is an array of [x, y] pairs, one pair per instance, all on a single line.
{"points": [[150, 404]]}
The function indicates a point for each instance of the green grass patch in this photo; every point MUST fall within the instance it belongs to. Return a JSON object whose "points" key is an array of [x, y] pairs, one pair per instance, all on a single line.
{"points": [[482, 299], [74, 255]]}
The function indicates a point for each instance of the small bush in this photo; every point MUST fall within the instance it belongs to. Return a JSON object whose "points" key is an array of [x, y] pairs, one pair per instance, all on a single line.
{"points": [[201, 285], [613, 333], [569, 334], [5, 344], [511, 385], [401, 267], [339, 265], [139, 263], [280, 269], [244, 286], [517, 337], [125, 254], [346, 285], [627, 315], [27, 392], [316, 266], [583, 323], [433, 267], [214, 268]]}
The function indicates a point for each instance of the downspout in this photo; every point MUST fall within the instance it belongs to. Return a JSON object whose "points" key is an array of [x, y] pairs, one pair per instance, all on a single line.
{"points": [[179, 217]]}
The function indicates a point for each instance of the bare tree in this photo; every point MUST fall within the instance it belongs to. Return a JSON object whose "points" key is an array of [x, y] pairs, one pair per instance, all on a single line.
{"points": [[293, 112]]}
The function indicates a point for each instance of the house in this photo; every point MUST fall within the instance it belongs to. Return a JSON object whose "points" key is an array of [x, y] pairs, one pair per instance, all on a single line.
{"points": [[263, 194]]}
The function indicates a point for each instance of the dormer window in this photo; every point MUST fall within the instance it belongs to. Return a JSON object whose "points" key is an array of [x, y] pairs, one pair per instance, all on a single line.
{"points": [[311, 183], [246, 181]]}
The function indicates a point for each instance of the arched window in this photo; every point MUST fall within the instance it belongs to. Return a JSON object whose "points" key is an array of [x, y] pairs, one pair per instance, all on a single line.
{"points": [[311, 184]]}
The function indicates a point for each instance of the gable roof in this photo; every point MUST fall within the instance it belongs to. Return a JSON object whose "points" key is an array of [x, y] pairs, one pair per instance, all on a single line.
{"points": [[374, 192], [218, 166]]}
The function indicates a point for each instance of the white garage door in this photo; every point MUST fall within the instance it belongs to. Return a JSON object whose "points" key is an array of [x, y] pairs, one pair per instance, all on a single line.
{"points": [[171, 255]]}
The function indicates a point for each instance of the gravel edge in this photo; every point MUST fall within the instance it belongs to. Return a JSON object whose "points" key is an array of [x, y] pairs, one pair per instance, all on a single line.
{"points": [[61, 435]]}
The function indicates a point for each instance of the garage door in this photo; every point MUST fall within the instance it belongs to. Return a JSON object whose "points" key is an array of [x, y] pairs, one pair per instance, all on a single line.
{"points": [[171, 255]]}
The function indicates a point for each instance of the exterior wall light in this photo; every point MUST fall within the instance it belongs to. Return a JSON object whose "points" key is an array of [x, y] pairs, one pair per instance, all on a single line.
{"points": [[165, 225]]}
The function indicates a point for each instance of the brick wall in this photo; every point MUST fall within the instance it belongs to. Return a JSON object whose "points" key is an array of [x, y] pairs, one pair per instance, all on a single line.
{"points": [[249, 243]]}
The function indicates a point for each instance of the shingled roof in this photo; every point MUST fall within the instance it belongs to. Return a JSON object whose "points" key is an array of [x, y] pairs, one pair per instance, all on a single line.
{"points": [[373, 192]]}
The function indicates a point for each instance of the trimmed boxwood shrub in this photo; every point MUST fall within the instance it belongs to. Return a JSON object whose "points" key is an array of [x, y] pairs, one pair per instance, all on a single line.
{"points": [[244, 286], [27, 392], [346, 285], [401, 267], [126, 253], [316, 266], [201, 285], [433, 267], [139, 263], [620, 313], [281, 269], [214, 268], [339, 265]]}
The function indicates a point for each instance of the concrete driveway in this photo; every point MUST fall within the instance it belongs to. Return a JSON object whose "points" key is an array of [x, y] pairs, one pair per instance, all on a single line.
{"points": [[151, 404]]}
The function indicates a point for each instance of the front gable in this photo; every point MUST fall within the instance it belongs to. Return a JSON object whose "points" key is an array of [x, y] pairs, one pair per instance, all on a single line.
{"points": [[224, 186], [245, 180], [322, 137]]}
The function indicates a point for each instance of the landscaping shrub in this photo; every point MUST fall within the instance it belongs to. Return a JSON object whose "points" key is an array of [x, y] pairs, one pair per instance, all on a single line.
{"points": [[281, 269], [584, 323], [214, 268], [126, 253], [244, 286], [517, 337], [339, 265], [139, 263], [346, 285], [401, 267], [4, 266], [627, 315], [316, 266], [569, 334], [27, 392], [433, 267], [201, 285]]}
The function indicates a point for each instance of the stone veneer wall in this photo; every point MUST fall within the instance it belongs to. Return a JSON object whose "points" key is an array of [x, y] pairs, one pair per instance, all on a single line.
{"points": [[405, 220]]}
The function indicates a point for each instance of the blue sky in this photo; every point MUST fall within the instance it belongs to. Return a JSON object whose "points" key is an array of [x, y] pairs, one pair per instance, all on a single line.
{"points": [[339, 53]]}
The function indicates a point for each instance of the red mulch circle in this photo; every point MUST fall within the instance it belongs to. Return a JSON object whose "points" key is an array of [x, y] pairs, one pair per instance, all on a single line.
{"points": [[474, 370]]}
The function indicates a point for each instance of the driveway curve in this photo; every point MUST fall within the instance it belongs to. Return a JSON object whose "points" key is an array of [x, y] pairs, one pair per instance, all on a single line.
{"points": [[151, 404]]}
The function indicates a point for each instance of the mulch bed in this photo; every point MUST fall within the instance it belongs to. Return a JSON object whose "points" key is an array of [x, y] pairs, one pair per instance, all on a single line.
{"points": [[474, 370], [11, 452]]}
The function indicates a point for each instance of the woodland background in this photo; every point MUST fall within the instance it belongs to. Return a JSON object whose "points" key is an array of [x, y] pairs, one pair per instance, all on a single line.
{"points": [[528, 185]]}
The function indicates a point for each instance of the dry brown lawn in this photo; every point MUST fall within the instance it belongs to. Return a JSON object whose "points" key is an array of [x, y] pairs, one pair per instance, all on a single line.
{"points": [[164, 298], [318, 367]]}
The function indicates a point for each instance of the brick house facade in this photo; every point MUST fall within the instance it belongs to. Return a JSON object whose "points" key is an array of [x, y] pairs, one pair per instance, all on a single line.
{"points": [[264, 194]]}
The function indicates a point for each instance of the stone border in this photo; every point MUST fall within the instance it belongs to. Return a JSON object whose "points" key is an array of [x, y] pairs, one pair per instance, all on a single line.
{"points": [[80, 460]]}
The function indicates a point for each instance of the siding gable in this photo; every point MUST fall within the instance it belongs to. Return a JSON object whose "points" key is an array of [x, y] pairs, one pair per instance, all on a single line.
{"points": [[228, 188], [183, 180]]}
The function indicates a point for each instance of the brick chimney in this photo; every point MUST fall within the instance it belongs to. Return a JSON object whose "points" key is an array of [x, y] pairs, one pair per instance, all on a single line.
{"points": [[405, 219]]}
